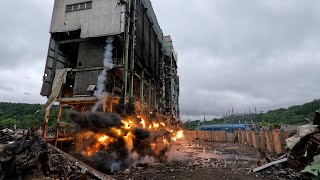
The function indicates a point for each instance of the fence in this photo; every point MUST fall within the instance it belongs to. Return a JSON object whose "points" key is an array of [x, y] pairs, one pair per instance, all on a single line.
{"points": [[272, 141]]}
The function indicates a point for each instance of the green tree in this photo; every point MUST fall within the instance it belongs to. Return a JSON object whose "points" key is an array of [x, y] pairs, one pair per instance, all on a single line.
{"points": [[8, 123]]}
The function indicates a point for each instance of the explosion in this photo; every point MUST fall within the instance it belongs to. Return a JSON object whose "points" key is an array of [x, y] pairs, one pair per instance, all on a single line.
{"points": [[111, 142]]}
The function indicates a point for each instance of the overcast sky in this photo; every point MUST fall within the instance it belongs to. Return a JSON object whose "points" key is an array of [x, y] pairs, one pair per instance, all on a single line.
{"points": [[232, 54]]}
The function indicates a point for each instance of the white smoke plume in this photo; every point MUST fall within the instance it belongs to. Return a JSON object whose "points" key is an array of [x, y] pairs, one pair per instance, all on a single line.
{"points": [[102, 78]]}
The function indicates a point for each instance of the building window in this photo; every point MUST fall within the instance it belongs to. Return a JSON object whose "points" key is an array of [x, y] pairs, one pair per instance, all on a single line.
{"points": [[79, 6]]}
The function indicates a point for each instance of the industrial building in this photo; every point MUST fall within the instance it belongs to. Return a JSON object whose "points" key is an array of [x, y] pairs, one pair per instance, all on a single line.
{"points": [[223, 127], [144, 63], [228, 127]]}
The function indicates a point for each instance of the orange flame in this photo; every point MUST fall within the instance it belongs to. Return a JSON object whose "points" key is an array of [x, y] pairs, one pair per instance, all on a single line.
{"points": [[156, 125], [102, 141], [177, 135], [143, 123]]}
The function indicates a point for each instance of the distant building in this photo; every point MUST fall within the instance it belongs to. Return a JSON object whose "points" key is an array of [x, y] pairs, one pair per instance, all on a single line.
{"points": [[223, 127]]}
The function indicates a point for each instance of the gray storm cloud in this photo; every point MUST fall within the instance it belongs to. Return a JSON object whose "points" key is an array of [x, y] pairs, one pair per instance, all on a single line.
{"points": [[232, 54]]}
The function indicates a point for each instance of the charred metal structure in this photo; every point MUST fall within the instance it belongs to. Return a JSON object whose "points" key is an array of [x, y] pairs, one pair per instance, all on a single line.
{"points": [[171, 79], [145, 63]]}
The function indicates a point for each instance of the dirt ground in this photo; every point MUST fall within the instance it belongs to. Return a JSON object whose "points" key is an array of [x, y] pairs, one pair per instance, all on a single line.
{"points": [[190, 161], [206, 161]]}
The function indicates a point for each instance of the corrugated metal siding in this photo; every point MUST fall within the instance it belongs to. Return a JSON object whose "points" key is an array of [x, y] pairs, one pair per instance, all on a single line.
{"points": [[152, 52], [61, 61], [103, 19], [168, 45], [146, 39], [158, 59], [151, 14], [149, 37], [139, 31]]}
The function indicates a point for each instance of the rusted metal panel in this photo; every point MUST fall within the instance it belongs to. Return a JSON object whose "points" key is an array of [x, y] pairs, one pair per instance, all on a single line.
{"points": [[105, 18], [276, 141]]}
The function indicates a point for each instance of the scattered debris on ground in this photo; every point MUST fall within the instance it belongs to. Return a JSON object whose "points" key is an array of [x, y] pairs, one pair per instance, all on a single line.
{"points": [[31, 158], [6, 136], [223, 160], [303, 157]]}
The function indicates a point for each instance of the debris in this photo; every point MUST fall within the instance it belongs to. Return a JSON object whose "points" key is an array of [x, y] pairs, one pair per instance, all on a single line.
{"points": [[25, 155], [32, 158], [82, 165], [142, 165], [302, 131], [316, 120], [6, 136], [270, 164], [314, 167]]}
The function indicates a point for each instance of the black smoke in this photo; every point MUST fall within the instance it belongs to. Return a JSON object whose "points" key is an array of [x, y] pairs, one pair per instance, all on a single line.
{"points": [[95, 121]]}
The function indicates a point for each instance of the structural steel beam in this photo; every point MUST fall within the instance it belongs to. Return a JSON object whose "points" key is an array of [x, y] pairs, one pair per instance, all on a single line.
{"points": [[72, 41], [149, 96], [126, 54], [142, 86], [87, 69], [132, 57]]}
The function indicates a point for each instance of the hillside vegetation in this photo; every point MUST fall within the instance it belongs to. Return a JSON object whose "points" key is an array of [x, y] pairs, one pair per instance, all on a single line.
{"points": [[293, 115], [26, 115]]}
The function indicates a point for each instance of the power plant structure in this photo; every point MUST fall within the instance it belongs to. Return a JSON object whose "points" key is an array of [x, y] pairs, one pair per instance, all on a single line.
{"points": [[108, 52]]}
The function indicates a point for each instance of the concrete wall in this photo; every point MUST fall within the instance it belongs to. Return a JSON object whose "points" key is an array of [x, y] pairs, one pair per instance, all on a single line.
{"points": [[271, 141]]}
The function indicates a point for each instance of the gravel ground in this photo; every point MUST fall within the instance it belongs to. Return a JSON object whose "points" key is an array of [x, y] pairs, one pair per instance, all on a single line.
{"points": [[220, 161]]}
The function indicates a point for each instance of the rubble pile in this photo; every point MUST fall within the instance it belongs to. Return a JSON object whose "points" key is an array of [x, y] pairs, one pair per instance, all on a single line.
{"points": [[31, 158], [302, 158], [6, 136], [304, 148], [277, 171]]}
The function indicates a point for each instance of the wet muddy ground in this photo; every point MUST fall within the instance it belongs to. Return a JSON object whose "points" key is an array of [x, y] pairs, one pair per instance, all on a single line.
{"points": [[192, 161]]}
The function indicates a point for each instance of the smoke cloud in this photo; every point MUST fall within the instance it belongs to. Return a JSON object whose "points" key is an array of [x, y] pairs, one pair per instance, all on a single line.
{"points": [[102, 78], [95, 121]]}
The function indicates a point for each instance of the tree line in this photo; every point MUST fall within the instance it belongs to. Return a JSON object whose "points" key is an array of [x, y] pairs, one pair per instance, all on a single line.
{"points": [[299, 114], [27, 115], [24, 116]]}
